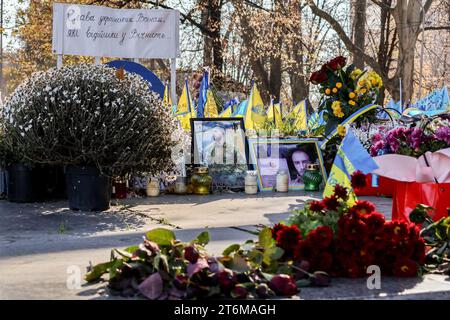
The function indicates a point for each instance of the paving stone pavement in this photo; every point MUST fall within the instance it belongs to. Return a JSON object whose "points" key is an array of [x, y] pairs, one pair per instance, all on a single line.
{"points": [[39, 242]]}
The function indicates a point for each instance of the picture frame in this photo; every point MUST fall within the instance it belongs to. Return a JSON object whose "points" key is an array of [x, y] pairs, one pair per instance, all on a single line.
{"points": [[221, 144], [293, 155]]}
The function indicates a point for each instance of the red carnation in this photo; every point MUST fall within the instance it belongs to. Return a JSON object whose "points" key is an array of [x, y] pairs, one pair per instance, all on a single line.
{"points": [[358, 180], [304, 251], [405, 268], [331, 203], [288, 238], [321, 237], [340, 192], [316, 206], [318, 77], [375, 221], [323, 262], [363, 207], [277, 228], [419, 251], [337, 63]]}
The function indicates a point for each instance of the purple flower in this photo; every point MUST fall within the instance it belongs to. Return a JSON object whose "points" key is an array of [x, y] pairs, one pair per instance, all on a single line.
{"points": [[443, 134], [415, 138]]}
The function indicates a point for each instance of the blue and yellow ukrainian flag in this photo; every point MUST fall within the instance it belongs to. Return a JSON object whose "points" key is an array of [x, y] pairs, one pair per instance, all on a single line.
{"points": [[210, 106], [203, 95], [274, 114], [185, 109], [226, 113], [350, 157], [167, 100], [350, 119], [255, 114], [299, 114], [239, 112]]}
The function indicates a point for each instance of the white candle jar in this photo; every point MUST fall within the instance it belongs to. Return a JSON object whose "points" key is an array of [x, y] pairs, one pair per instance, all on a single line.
{"points": [[153, 187], [282, 184], [251, 184], [180, 185]]}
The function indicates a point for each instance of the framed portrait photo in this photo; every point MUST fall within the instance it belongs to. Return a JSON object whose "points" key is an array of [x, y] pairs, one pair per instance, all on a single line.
{"points": [[220, 144], [269, 156]]}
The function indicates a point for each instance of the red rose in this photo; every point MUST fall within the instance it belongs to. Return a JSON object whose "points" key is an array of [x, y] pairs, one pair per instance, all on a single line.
{"points": [[337, 63], [321, 237], [263, 291], [191, 254], [318, 77], [316, 206], [358, 180], [340, 192], [405, 268], [331, 203], [288, 239], [239, 292], [227, 279], [283, 285]]}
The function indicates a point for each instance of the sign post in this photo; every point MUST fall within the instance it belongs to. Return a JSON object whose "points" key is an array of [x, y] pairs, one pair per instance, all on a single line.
{"points": [[117, 33]]}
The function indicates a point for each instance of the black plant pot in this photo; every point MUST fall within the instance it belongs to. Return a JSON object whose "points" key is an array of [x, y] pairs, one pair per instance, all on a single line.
{"points": [[25, 183], [55, 182], [87, 189]]}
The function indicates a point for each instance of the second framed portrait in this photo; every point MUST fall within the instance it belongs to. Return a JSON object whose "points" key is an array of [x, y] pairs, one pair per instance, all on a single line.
{"points": [[269, 156]]}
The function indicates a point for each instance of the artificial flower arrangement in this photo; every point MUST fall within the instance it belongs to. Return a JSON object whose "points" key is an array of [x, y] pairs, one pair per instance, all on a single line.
{"points": [[345, 90]]}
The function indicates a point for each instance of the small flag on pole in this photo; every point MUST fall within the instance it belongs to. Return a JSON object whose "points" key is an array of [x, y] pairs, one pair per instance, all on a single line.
{"points": [[351, 156]]}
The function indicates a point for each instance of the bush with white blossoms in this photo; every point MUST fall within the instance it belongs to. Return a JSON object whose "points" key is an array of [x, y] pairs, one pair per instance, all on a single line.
{"points": [[90, 115]]}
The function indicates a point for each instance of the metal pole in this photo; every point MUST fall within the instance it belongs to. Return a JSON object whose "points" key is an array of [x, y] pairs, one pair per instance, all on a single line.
{"points": [[173, 79], [401, 103]]}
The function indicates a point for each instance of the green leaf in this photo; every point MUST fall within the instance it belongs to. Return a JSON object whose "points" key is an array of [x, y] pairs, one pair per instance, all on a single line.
{"points": [[231, 249], [272, 254], [256, 256], [131, 249], [161, 236], [114, 267], [240, 264], [124, 253], [203, 238], [267, 276], [265, 238], [98, 270]]}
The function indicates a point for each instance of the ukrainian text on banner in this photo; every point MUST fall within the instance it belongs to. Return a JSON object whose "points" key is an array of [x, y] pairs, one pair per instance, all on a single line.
{"points": [[119, 33]]}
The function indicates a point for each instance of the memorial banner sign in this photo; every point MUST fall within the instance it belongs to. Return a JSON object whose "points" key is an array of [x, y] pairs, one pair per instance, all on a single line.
{"points": [[121, 33]]}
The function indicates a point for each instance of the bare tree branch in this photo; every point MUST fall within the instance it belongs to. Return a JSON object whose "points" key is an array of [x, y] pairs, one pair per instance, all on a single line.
{"points": [[344, 37]]}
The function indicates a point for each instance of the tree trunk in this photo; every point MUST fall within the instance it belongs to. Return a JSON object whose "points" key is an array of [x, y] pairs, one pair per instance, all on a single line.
{"points": [[359, 25], [406, 15], [207, 41]]}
